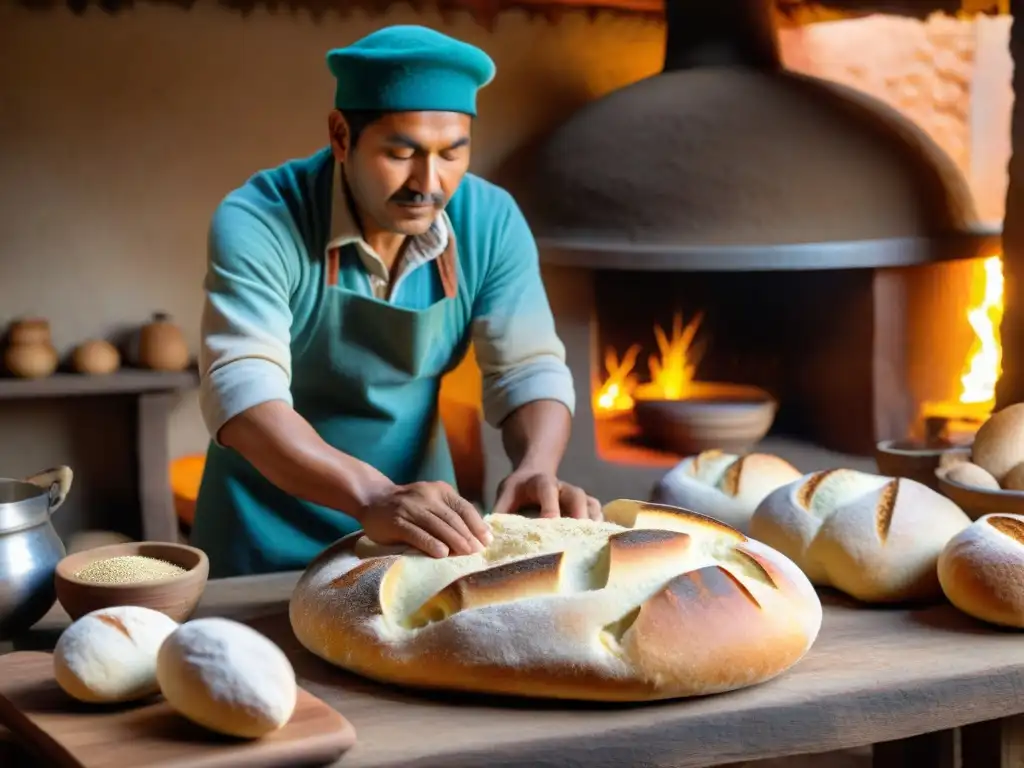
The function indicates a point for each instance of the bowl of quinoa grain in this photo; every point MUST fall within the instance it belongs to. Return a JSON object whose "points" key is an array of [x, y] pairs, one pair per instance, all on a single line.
{"points": [[166, 577]]}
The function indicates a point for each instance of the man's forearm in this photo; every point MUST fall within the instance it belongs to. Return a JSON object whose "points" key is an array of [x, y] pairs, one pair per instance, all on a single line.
{"points": [[287, 451], [535, 435]]}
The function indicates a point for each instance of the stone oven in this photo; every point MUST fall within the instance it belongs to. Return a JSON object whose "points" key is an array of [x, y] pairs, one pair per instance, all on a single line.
{"points": [[780, 231]]}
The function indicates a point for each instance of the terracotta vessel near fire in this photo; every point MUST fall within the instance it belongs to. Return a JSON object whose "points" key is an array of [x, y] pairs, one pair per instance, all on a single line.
{"points": [[729, 417], [916, 460]]}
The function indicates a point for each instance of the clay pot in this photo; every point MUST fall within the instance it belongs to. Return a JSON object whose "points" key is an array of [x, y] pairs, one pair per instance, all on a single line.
{"points": [[96, 357], [161, 345], [31, 361], [911, 459], [30, 330], [729, 417]]}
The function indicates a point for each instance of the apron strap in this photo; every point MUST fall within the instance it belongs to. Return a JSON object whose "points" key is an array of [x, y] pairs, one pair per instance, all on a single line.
{"points": [[333, 266], [448, 268]]}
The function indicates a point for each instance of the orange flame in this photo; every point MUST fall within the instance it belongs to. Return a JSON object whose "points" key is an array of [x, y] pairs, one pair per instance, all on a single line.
{"points": [[984, 364], [672, 371]]}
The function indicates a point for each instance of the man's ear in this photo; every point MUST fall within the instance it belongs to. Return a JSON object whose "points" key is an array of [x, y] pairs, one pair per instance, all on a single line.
{"points": [[341, 136]]}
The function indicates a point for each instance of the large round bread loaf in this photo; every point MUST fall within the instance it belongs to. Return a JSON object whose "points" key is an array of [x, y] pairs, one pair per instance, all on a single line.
{"points": [[724, 486], [875, 538], [652, 603], [982, 570]]}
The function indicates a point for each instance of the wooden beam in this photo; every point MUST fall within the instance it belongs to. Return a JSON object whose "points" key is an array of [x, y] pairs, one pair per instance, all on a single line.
{"points": [[790, 12], [1011, 385]]}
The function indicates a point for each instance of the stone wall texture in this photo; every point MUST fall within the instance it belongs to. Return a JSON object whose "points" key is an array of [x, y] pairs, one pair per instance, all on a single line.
{"points": [[950, 76]]}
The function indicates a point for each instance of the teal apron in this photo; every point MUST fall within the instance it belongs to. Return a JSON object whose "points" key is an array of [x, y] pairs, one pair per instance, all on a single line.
{"points": [[367, 378]]}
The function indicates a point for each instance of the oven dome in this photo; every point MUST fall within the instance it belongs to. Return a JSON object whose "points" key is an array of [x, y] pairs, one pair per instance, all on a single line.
{"points": [[732, 157]]}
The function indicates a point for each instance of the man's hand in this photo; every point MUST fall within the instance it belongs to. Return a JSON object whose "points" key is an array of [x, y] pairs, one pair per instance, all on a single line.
{"points": [[429, 516], [527, 488]]}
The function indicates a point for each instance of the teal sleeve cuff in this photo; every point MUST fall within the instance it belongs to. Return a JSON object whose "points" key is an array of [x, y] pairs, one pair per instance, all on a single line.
{"points": [[546, 379]]}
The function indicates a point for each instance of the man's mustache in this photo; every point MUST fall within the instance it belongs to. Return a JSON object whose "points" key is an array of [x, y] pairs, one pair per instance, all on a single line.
{"points": [[410, 197]]}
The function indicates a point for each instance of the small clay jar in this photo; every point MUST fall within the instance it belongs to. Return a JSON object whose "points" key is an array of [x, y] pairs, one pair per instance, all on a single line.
{"points": [[30, 330], [96, 357], [30, 353], [30, 361], [161, 345]]}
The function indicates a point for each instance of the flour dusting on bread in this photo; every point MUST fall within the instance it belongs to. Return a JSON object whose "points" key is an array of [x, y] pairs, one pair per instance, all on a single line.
{"points": [[566, 608]]}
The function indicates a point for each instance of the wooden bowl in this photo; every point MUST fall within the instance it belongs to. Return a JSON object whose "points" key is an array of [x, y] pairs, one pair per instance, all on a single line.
{"points": [[911, 459], [729, 417], [976, 502], [176, 596]]}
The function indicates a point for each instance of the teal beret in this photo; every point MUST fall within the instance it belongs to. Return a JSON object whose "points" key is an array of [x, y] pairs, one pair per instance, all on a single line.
{"points": [[409, 69]]}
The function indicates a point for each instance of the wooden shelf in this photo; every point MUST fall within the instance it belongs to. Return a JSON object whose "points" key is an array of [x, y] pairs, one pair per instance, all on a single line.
{"points": [[128, 381]]}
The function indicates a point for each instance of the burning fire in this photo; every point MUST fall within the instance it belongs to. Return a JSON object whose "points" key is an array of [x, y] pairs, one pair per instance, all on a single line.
{"points": [[671, 371], [983, 366]]}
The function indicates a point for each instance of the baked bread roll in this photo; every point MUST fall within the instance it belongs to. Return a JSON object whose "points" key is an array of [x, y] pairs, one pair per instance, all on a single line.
{"points": [[724, 486], [999, 444], [227, 677], [981, 570], [110, 654], [875, 538], [971, 475], [651, 603]]}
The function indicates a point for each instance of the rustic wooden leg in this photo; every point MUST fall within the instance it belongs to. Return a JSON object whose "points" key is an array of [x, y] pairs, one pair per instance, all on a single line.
{"points": [[994, 744], [929, 750], [159, 523]]}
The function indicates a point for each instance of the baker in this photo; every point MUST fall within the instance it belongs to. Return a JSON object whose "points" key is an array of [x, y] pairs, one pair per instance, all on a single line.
{"points": [[340, 288]]}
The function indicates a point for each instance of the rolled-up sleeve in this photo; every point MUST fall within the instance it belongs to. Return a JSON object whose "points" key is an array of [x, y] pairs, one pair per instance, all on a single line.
{"points": [[245, 356], [518, 350]]}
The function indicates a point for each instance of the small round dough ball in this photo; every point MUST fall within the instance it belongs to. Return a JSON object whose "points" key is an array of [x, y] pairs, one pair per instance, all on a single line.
{"points": [[999, 445], [972, 475], [1014, 480], [227, 677], [110, 654]]}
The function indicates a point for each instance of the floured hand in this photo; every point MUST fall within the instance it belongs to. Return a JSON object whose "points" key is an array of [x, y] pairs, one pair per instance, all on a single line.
{"points": [[524, 488], [431, 517]]}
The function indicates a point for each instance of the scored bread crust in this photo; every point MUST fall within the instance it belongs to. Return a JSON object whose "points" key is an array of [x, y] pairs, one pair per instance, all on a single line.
{"points": [[873, 537], [981, 570], [653, 603], [722, 485]]}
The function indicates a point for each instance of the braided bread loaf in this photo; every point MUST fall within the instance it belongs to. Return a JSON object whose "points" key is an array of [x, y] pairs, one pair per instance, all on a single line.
{"points": [[982, 570], [652, 603], [876, 538], [722, 485]]}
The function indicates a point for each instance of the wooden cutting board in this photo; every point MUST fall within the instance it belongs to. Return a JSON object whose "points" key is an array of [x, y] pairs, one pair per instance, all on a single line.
{"points": [[75, 735]]}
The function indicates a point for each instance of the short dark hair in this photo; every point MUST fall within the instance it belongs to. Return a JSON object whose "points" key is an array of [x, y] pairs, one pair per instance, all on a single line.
{"points": [[359, 120]]}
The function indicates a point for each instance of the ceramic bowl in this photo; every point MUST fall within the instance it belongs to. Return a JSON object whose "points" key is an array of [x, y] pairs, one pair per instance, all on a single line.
{"points": [[910, 459], [729, 417], [176, 596], [976, 502]]}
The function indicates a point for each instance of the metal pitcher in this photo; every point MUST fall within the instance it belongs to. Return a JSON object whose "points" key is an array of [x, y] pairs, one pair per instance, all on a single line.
{"points": [[29, 547]]}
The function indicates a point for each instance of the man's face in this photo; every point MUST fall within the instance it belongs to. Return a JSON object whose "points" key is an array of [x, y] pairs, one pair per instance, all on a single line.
{"points": [[405, 166]]}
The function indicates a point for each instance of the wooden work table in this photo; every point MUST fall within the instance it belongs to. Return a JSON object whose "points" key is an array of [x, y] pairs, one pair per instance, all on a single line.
{"points": [[872, 676]]}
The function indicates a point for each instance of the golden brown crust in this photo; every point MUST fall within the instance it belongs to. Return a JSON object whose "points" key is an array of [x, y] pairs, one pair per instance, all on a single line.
{"points": [[805, 494], [516, 580], [885, 508], [1008, 526], [730, 482], [116, 623], [675, 605]]}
